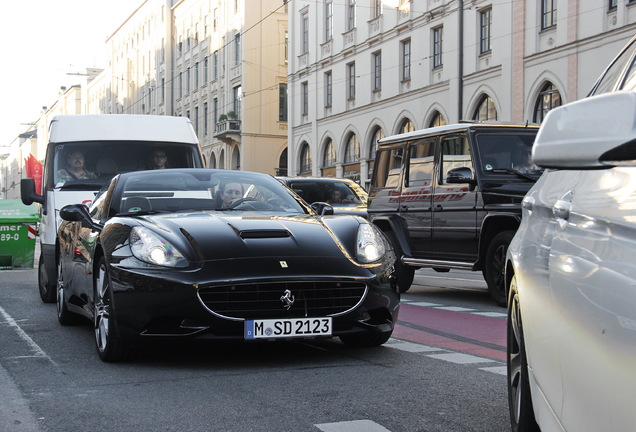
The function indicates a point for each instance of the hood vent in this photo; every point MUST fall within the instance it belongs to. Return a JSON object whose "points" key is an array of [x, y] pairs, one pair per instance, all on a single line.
{"points": [[263, 233]]}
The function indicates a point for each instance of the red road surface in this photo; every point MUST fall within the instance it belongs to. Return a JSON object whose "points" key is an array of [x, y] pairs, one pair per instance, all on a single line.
{"points": [[462, 332]]}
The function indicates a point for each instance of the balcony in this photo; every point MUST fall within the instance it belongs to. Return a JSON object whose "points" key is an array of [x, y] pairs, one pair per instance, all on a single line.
{"points": [[228, 130]]}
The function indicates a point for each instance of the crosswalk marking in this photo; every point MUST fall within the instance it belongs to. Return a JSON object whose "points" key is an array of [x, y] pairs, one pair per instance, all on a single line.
{"points": [[500, 370], [412, 347], [460, 358], [454, 309], [352, 426]]}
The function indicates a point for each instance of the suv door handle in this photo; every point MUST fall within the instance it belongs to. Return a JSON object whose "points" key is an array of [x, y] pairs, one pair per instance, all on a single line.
{"points": [[438, 207]]}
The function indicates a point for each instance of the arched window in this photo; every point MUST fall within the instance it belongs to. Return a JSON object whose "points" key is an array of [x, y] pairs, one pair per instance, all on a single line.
{"points": [[378, 134], [406, 126], [351, 165], [212, 161], [437, 120], [352, 150], [282, 164], [222, 159], [329, 156], [236, 159], [305, 159], [485, 109], [548, 98], [328, 168]]}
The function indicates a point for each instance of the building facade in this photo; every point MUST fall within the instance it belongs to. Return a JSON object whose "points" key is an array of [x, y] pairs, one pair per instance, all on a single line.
{"points": [[364, 69], [223, 64]]}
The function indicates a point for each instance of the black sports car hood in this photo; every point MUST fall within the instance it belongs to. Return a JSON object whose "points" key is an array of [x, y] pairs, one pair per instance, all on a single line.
{"points": [[213, 236]]}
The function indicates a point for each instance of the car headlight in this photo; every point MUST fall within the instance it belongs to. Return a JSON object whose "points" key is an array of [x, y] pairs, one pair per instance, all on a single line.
{"points": [[370, 246], [149, 247]]}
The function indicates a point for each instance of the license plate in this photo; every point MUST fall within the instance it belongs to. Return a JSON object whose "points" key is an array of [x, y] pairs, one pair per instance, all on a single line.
{"points": [[287, 328]]}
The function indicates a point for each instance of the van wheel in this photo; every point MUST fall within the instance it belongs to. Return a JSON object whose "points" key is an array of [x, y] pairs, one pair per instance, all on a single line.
{"points": [[494, 267], [48, 289], [404, 273]]}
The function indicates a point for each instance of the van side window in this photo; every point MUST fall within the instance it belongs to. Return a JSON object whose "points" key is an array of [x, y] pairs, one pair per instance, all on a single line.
{"points": [[455, 154], [388, 165], [421, 158]]}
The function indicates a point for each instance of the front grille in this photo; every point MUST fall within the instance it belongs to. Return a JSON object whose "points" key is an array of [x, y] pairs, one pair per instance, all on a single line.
{"points": [[263, 300]]}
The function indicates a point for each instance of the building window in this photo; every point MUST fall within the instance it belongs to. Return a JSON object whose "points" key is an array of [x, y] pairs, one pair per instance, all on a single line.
{"points": [[377, 71], [205, 118], [196, 75], [437, 120], [163, 90], [485, 21], [196, 120], [180, 84], [437, 46], [237, 49], [328, 20], [406, 126], [305, 35], [304, 88], [351, 81], [237, 95], [188, 82], [612, 4], [205, 70], [351, 14], [486, 110], [548, 14], [328, 89], [282, 102], [329, 157], [215, 65], [215, 109], [377, 9], [215, 19], [305, 159], [352, 150], [549, 98], [405, 57]]}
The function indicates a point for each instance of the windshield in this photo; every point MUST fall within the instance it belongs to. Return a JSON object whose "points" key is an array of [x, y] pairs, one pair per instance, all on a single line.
{"points": [[507, 153], [178, 190], [90, 165], [337, 192]]}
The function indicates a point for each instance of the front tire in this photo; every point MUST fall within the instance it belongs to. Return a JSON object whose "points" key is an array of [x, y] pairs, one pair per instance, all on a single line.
{"points": [[519, 397], [109, 346], [48, 289], [405, 274], [64, 316], [494, 269]]}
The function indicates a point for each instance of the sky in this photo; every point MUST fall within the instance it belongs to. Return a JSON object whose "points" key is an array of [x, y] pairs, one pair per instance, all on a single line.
{"points": [[43, 42]]}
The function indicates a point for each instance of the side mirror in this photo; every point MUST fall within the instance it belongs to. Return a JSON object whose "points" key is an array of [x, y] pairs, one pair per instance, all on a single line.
{"points": [[460, 175], [77, 213], [596, 132], [322, 208], [27, 192]]}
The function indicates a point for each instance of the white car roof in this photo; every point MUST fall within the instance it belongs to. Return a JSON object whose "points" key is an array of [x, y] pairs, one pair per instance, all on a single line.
{"points": [[121, 127]]}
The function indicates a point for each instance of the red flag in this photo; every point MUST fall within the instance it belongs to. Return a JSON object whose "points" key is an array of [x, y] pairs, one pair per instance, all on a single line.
{"points": [[34, 171]]}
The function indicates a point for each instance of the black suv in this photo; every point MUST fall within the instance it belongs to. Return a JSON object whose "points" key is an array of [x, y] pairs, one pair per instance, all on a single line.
{"points": [[449, 197]]}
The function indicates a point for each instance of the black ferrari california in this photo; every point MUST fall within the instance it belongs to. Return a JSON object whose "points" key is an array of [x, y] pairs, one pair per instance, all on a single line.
{"points": [[202, 253]]}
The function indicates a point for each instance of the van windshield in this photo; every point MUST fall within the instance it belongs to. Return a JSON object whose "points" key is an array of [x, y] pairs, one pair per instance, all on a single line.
{"points": [[91, 165]]}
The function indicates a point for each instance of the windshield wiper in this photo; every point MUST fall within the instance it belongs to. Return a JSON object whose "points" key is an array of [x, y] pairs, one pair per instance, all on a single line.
{"points": [[515, 172], [141, 213]]}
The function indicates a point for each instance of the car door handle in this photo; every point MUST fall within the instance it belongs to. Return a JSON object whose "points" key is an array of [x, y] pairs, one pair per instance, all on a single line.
{"points": [[561, 209], [438, 208]]}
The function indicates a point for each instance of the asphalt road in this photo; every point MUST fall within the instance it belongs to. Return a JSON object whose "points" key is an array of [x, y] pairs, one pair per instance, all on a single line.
{"points": [[444, 370]]}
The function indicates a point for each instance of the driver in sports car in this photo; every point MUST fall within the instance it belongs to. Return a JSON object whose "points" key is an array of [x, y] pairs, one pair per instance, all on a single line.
{"points": [[230, 192]]}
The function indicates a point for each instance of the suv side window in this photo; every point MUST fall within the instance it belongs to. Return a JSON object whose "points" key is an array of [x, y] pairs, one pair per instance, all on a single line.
{"points": [[455, 154], [387, 169], [421, 158]]}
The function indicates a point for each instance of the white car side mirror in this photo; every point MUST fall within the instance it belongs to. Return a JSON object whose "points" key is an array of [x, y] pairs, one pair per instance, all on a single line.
{"points": [[597, 132]]}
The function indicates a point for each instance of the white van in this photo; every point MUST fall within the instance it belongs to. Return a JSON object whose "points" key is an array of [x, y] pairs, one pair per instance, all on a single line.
{"points": [[110, 144]]}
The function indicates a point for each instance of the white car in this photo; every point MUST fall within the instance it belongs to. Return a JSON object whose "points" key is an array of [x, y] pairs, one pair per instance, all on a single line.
{"points": [[571, 267]]}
